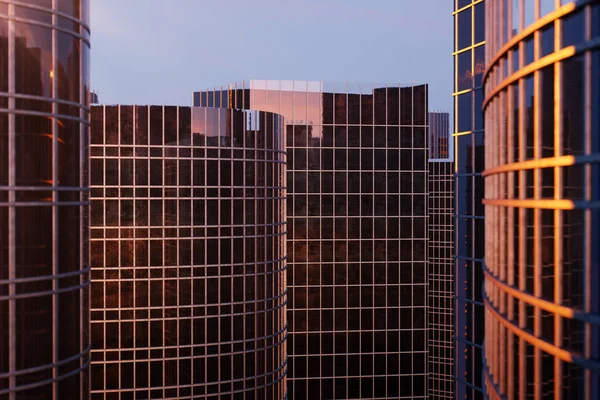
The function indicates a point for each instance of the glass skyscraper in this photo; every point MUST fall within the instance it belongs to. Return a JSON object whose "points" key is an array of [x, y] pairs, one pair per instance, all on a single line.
{"points": [[441, 279], [542, 196], [439, 135], [44, 272], [357, 233], [188, 253], [469, 65]]}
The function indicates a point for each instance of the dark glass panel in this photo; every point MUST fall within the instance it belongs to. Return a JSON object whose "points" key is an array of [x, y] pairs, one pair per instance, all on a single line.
{"points": [[354, 108], [420, 105], [464, 73], [479, 22], [33, 63], [479, 65], [380, 105], [406, 106], [464, 28], [465, 112], [393, 106], [573, 28], [547, 40]]}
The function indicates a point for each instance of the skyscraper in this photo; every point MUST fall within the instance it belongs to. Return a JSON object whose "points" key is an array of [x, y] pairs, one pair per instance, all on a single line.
{"points": [[44, 272], [542, 196], [188, 253], [357, 233], [439, 135], [440, 264], [469, 64]]}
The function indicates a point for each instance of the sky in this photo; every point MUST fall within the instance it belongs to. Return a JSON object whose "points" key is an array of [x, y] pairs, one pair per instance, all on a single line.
{"points": [[160, 51]]}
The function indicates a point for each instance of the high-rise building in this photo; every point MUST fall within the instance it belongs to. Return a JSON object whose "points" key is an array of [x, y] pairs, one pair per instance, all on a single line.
{"points": [[357, 233], [44, 272], [188, 253], [441, 279], [469, 64], [439, 135], [542, 196]]}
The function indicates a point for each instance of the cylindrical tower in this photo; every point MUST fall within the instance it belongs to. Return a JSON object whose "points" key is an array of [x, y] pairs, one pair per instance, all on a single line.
{"points": [[44, 272], [188, 253], [542, 276]]}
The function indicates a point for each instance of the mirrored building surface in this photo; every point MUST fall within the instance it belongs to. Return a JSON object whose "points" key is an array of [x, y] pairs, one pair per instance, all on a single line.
{"points": [[439, 135], [357, 220], [44, 272], [542, 192], [469, 65], [188, 253], [440, 266]]}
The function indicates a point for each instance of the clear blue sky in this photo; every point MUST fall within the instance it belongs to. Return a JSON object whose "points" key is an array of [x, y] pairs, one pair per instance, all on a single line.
{"points": [[159, 51]]}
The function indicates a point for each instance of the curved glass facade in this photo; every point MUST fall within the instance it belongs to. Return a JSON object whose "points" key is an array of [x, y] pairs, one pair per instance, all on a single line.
{"points": [[188, 253], [44, 272], [469, 48], [542, 189]]}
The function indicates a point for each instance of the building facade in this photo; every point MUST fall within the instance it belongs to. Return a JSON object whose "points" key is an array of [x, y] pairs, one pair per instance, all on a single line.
{"points": [[441, 279], [44, 272], [439, 135], [357, 233], [542, 282], [469, 65], [188, 253]]}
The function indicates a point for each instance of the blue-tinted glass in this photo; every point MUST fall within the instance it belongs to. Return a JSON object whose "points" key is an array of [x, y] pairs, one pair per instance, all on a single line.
{"points": [[529, 12], [465, 112], [573, 29], [479, 22], [547, 40], [529, 54], [479, 65], [546, 7], [464, 73], [463, 144], [463, 3], [464, 28], [478, 113], [595, 20]]}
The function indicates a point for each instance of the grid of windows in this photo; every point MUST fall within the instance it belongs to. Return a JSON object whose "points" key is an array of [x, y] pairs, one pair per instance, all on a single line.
{"points": [[542, 282], [469, 65], [357, 207], [188, 254], [44, 272], [441, 280], [439, 133]]}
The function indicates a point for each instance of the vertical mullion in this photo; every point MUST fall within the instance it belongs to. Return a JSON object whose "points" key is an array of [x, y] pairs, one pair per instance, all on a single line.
{"points": [[522, 216], [509, 264], [164, 283], [119, 282], [55, 222], [587, 79], [83, 228], [174, 226], [149, 241], [191, 240], [537, 261], [133, 159], [558, 214], [12, 259]]}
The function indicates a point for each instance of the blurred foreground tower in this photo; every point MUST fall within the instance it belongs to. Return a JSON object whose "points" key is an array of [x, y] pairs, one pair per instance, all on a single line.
{"points": [[44, 272], [542, 200]]}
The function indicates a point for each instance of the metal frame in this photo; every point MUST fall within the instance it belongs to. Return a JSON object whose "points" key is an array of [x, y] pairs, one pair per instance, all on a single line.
{"points": [[124, 291], [33, 378], [556, 316]]}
